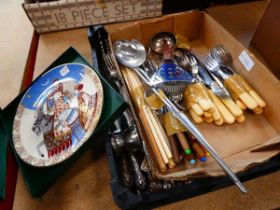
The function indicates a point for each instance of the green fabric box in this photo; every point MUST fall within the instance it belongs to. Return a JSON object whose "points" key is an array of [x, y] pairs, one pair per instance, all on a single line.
{"points": [[38, 180]]}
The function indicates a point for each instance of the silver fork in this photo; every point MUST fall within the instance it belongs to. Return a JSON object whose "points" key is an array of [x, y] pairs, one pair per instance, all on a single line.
{"points": [[194, 66], [213, 66], [218, 89], [190, 65]]}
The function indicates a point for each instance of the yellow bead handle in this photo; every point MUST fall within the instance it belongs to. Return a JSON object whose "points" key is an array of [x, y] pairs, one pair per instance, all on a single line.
{"points": [[233, 108], [236, 87], [226, 114]]}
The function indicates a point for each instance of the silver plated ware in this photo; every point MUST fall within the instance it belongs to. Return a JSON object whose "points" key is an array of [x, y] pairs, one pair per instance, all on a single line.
{"points": [[165, 43], [223, 57], [126, 143], [194, 65], [213, 66], [187, 59], [129, 143], [158, 40], [218, 89], [134, 64], [221, 54]]}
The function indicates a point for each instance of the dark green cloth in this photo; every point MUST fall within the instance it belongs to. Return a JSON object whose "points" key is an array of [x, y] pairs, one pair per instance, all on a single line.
{"points": [[38, 180], [3, 157]]}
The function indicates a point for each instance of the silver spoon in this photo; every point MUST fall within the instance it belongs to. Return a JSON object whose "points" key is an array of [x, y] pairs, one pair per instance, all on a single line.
{"points": [[133, 55], [129, 60]]}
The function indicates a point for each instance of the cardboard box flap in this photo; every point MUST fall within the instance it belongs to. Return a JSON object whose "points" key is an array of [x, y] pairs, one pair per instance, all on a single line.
{"points": [[272, 144], [266, 38]]}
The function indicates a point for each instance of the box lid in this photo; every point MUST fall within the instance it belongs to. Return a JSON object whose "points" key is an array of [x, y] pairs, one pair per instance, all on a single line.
{"points": [[38, 180]]}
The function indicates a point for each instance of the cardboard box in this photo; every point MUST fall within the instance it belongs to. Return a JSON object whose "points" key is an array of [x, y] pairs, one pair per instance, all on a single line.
{"points": [[266, 39], [67, 14], [240, 145]]}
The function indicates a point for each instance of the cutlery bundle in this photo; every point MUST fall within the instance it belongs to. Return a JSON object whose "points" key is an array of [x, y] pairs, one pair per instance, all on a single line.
{"points": [[170, 82]]}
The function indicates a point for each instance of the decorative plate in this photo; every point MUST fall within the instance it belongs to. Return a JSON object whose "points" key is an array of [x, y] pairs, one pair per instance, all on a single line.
{"points": [[57, 114]]}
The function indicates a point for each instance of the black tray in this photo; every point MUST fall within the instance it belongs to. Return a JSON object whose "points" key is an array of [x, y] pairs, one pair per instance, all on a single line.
{"points": [[127, 199]]}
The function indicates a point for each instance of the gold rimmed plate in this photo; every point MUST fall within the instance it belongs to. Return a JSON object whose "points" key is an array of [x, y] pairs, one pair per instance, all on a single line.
{"points": [[57, 114]]}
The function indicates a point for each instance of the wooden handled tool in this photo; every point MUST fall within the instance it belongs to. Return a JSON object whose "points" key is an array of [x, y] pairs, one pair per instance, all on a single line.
{"points": [[186, 147], [258, 99], [171, 124], [147, 124], [240, 119], [174, 149], [252, 92], [196, 98], [240, 104], [196, 118], [160, 156], [162, 139], [184, 143], [226, 114], [233, 108], [248, 100], [153, 100], [235, 85], [198, 150], [218, 119], [191, 159], [150, 121]]}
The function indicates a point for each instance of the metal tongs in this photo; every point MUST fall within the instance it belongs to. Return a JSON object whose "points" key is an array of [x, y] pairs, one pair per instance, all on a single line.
{"points": [[133, 55]]}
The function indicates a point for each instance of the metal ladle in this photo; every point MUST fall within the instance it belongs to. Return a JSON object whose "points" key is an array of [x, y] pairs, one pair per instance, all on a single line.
{"points": [[157, 41], [123, 51]]}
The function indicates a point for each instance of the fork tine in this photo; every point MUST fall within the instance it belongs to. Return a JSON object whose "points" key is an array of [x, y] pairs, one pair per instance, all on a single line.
{"points": [[193, 61], [207, 61], [201, 59], [223, 49], [213, 63]]}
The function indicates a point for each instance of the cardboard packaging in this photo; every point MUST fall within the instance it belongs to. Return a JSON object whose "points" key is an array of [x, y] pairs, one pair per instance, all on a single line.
{"points": [[67, 14], [266, 39], [240, 145]]}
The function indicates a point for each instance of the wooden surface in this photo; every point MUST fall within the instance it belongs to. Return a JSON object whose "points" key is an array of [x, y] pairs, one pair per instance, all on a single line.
{"points": [[15, 37], [53, 45], [86, 185]]}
